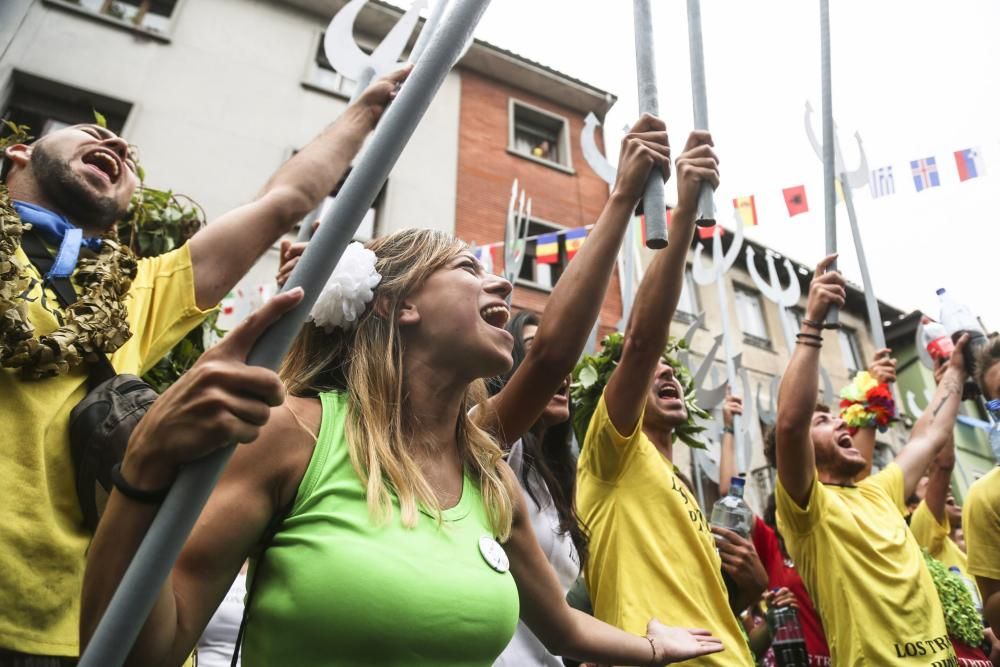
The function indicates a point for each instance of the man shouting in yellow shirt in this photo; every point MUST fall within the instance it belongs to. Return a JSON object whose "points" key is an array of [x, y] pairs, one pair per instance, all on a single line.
{"points": [[860, 563]]}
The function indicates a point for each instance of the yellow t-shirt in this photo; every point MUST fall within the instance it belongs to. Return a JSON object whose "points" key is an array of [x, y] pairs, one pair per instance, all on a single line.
{"points": [[652, 554], [981, 523], [935, 536], [42, 537], [865, 573]]}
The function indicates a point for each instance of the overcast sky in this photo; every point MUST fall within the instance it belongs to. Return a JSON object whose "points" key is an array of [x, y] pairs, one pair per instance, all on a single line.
{"points": [[915, 78]]}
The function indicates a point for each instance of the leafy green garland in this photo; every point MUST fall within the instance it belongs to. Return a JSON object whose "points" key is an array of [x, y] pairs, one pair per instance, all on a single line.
{"points": [[960, 616], [591, 376]]}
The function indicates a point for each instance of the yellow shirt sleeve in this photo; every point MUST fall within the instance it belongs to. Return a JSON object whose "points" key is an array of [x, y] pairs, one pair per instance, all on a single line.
{"points": [[890, 480], [981, 522], [930, 532], [605, 451], [800, 520], [161, 309]]}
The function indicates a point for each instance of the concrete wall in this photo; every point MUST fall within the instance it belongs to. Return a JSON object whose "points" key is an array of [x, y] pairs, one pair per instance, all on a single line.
{"points": [[221, 106]]}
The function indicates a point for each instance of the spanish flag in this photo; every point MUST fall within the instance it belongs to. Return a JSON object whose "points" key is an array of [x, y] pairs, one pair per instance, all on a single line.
{"points": [[574, 239], [547, 249], [747, 210]]}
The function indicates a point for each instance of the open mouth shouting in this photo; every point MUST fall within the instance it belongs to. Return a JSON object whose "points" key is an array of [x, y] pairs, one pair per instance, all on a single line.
{"points": [[496, 315], [105, 163], [844, 441], [668, 390]]}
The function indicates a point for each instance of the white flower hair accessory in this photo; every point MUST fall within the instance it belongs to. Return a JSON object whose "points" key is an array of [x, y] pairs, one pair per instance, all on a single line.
{"points": [[348, 291]]}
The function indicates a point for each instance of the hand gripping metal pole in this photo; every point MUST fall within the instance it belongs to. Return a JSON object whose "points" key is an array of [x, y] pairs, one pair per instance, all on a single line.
{"points": [[829, 170], [654, 205], [699, 98], [155, 557]]}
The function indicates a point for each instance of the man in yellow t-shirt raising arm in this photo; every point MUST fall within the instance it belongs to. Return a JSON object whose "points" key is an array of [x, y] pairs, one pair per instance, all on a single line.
{"points": [[981, 514], [72, 186], [859, 561], [652, 553]]}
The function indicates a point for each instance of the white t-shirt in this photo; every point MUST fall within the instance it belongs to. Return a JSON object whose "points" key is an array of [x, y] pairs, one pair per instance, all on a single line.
{"points": [[215, 648], [525, 649]]}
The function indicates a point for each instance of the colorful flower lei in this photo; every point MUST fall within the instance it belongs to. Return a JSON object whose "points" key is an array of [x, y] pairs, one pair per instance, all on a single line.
{"points": [[867, 404]]}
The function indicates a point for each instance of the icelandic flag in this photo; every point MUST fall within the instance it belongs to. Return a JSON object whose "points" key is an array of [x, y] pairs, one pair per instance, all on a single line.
{"points": [[969, 163], [925, 173], [547, 249], [575, 239]]}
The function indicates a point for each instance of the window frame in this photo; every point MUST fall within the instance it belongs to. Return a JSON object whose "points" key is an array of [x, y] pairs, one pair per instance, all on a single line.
{"points": [[565, 145], [687, 317], [852, 337], [554, 228], [344, 87], [165, 36], [64, 97], [764, 342]]}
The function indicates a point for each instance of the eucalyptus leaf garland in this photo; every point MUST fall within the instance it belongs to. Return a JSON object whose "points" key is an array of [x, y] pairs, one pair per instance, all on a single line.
{"points": [[591, 376]]}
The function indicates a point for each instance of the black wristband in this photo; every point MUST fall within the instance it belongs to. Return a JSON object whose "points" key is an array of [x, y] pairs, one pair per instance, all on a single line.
{"points": [[132, 493], [729, 429], [803, 334]]}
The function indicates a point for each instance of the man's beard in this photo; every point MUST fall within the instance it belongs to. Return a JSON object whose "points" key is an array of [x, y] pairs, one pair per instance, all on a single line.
{"points": [[68, 192]]}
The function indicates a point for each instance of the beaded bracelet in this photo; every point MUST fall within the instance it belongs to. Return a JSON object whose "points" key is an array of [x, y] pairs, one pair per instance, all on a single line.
{"points": [[810, 336]]}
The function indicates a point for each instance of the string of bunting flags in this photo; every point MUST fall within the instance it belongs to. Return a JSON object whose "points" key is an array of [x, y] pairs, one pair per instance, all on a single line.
{"points": [[546, 247]]}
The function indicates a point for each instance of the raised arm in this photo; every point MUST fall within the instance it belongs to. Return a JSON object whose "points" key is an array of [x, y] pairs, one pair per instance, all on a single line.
{"points": [[800, 388], [225, 250], [727, 453], [219, 400], [936, 425], [883, 369], [571, 633], [575, 303], [656, 299]]}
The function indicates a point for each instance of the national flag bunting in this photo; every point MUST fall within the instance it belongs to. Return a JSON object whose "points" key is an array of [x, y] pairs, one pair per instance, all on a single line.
{"points": [[795, 200], [747, 210], [485, 256], [882, 182], [925, 173], [547, 249], [969, 163], [574, 239], [708, 232]]}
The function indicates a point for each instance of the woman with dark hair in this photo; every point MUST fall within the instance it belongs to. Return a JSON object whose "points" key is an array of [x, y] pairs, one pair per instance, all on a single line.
{"points": [[544, 464]]}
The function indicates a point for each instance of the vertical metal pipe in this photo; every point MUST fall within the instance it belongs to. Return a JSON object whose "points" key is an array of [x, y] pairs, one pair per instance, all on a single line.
{"points": [[829, 171], [699, 98], [429, 27], [654, 205], [155, 557], [727, 343]]}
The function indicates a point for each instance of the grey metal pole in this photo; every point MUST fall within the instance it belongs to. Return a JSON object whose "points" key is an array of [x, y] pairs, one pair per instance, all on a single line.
{"points": [[699, 97], [155, 557], [429, 27], [654, 205], [829, 171]]}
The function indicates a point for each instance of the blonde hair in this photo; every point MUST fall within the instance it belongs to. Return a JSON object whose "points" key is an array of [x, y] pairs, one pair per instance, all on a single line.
{"points": [[366, 363]]}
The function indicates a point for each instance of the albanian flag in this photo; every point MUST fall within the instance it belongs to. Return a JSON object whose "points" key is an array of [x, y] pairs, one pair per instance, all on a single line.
{"points": [[795, 200]]}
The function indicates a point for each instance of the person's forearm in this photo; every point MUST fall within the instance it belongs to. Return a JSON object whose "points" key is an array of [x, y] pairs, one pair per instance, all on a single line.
{"points": [[313, 172], [796, 403], [727, 462], [656, 299], [578, 296], [991, 610], [864, 442], [760, 640], [119, 534], [592, 640]]}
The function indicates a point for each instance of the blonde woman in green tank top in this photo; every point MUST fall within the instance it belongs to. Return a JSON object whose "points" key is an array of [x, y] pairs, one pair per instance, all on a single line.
{"points": [[403, 536]]}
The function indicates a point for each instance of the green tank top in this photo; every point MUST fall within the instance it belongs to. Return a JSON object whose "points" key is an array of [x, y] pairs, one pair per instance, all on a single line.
{"points": [[334, 588]]}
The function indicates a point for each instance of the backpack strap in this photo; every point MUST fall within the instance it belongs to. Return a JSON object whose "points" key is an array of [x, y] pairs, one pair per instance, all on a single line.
{"points": [[40, 256], [272, 529]]}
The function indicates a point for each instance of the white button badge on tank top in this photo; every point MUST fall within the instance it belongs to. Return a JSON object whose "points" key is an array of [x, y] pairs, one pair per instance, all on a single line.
{"points": [[493, 554]]}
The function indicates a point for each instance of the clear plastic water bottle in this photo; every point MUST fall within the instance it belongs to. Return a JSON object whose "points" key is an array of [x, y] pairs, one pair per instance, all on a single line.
{"points": [[994, 408], [731, 511], [787, 640], [958, 320], [934, 337], [971, 585]]}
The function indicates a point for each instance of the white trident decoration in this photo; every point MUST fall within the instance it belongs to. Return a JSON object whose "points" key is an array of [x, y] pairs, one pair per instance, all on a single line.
{"points": [[515, 231], [784, 298], [715, 272]]}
